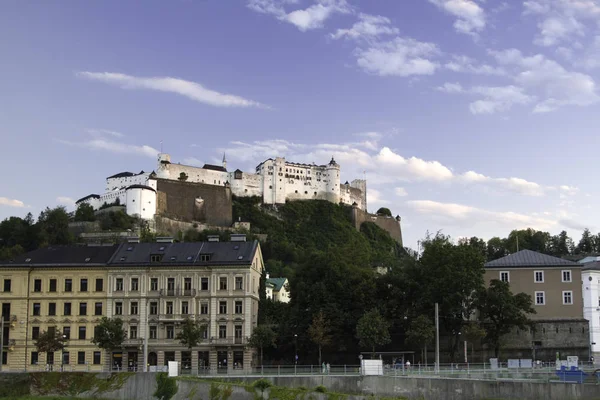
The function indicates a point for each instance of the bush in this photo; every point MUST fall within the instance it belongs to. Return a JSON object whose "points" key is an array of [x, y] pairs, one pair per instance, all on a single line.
{"points": [[166, 387], [262, 384], [321, 389]]}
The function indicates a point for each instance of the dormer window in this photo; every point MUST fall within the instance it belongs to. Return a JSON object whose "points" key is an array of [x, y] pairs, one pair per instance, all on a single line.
{"points": [[189, 258], [204, 257], [173, 258], [27, 259], [155, 257], [122, 258], [130, 248], [87, 259], [162, 248]]}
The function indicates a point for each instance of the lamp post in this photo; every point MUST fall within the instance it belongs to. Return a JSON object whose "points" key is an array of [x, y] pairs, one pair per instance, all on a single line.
{"points": [[62, 364]]}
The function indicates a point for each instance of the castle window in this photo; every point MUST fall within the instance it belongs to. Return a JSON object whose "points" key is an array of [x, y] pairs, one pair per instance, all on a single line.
{"points": [[295, 191], [305, 192], [133, 200], [270, 186]]}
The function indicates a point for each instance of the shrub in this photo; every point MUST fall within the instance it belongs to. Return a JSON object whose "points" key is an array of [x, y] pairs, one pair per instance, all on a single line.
{"points": [[321, 389]]}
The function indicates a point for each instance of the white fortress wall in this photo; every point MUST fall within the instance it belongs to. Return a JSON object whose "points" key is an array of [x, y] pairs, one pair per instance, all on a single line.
{"points": [[124, 181], [194, 174], [247, 185], [141, 202]]}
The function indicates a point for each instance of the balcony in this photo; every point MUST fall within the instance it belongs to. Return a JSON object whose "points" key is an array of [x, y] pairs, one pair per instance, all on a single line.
{"points": [[133, 342], [178, 292], [227, 341], [173, 317]]}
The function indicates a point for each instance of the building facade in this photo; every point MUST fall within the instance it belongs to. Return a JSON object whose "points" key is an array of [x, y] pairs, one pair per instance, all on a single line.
{"points": [[151, 287], [554, 285], [591, 300], [277, 289]]}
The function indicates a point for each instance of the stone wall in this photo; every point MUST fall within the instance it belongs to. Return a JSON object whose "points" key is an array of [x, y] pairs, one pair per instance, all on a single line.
{"points": [[389, 224], [194, 202]]}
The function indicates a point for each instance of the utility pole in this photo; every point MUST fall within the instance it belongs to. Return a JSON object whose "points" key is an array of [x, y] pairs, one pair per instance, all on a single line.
{"points": [[437, 339], [1, 341]]}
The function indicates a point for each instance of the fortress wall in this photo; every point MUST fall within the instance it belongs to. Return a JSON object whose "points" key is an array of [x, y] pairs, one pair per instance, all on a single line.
{"points": [[388, 224]]}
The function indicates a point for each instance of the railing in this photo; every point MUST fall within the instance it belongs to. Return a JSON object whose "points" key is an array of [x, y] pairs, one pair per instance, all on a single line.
{"points": [[228, 341], [173, 317], [178, 292]]}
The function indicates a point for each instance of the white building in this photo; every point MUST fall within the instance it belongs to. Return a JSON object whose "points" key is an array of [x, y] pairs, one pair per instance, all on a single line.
{"points": [[275, 181], [277, 289], [590, 276]]}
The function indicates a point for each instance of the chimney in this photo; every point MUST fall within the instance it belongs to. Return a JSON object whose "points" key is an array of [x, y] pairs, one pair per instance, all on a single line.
{"points": [[164, 239], [238, 237], [213, 238]]}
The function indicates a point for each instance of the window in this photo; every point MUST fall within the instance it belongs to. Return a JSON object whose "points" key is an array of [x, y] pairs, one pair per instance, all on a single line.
{"points": [[37, 285], [203, 283], [51, 308], [170, 283], [119, 285], [83, 287], [68, 285], [98, 308], [567, 297], [184, 307], [566, 276], [222, 307], [204, 308], [170, 331], [97, 358], [505, 276], [66, 357], [82, 333], [133, 332], [187, 284], [169, 308], [153, 308], [133, 308], [135, 284], [34, 357], [540, 298], [154, 284], [238, 333], [223, 283], [239, 283], [67, 309], [50, 358], [222, 331], [52, 330], [99, 284], [81, 357], [155, 257], [52, 287], [539, 276], [118, 308], [7, 287], [35, 332], [238, 307], [36, 308], [82, 308], [153, 332], [67, 332]]}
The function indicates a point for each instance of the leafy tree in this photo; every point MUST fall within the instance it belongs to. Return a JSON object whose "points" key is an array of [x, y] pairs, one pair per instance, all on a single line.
{"points": [[561, 244], [191, 333], [319, 332], [473, 333], [54, 224], [373, 330], [586, 244], [501, 311], [50, 341], [262, 336], [420, 333], [384, 211], [85, 212], [109, 334], [496, 248]]}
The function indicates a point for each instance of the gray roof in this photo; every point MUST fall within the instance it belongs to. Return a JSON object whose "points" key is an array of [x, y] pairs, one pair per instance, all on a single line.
{"points": [[219, 253], [64, 256], [528, 258], [591, 266]]}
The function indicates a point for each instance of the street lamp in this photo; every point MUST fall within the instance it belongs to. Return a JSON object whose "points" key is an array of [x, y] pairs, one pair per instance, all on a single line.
{"points": [[62, 366], [296, 348]]}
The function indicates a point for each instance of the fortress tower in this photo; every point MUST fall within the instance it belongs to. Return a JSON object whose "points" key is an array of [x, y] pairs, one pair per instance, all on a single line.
{"points": [[333, 182]]}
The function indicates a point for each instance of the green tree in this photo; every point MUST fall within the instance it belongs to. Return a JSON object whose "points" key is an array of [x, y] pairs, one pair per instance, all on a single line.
{"points": [[54, 224], [586, 244], [496, 248], [50, 341], [420, 333], [384, 211], [109, 334], [191, 333], [320, 332], [85, 212], [262, 336], [561, 245], [501, 311], [473, 333], [373, 330]]}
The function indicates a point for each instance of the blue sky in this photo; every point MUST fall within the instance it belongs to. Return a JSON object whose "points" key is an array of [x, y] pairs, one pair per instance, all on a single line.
{"points": [[470, 116]]}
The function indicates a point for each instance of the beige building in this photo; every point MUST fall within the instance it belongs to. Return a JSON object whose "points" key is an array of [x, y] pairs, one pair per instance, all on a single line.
{"points": [[152, 287], [554, 285]]}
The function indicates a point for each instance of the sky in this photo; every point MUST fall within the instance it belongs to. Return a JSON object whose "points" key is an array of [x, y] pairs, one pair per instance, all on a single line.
{"points": [[473, 117]]}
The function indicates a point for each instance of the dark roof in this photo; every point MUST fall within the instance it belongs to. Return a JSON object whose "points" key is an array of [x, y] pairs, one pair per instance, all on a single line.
{"points": [[528, 258], [221, 253], [591, 266], [140, 187], [89, 196], [214, 167], [277, 283], [64, 255], [122, 175]]}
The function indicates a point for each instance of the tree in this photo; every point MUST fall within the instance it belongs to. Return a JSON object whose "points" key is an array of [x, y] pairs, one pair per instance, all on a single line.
{"points": [[384, 211], [85, 212], [109, 334], [191, 333], [373, 330], [586, 244], [54, 224], [501, 311], [320, 332], [496, 248], [50, 341], [420, 333], [561, 244], [473, 333], [262, 336]]}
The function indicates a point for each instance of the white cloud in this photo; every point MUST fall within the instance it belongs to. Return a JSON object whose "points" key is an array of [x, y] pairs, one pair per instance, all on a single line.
{"points": [[112, 146], [399, 57], [498, 99], [66, 201], [4, 201], [517, 185], [412, 168], [468, 65], [400, 192], [376, 198], [306, 19], [104, 132], [192, 161], [463, 215], [470, 16], [368, 26], [191, 90], [451, 88]]}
